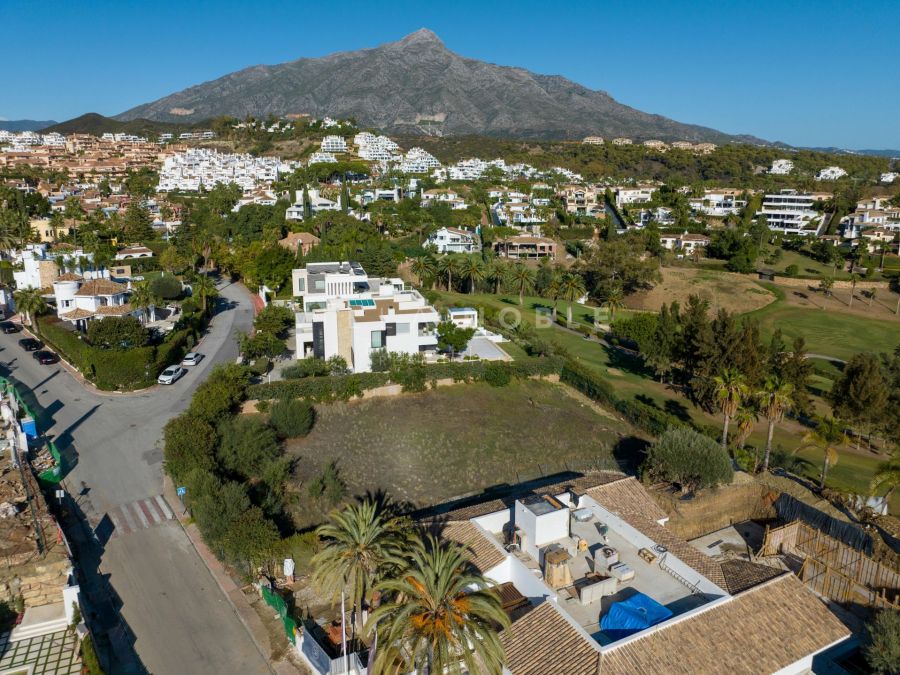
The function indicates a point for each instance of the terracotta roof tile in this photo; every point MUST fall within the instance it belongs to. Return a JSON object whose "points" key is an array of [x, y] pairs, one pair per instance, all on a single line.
{"points": [[115, 310], [543, 641], [101, 287], [483, 552], [76, 314]]}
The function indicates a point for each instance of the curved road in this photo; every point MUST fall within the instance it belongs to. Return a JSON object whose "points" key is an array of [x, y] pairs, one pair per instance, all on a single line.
{"points": [[152, 599]]}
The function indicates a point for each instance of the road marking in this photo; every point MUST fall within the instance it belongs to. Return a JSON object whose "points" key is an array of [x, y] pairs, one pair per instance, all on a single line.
{"points": [[166, 511], [117, 526], [147, 506], [128, 519], [135, 506]]}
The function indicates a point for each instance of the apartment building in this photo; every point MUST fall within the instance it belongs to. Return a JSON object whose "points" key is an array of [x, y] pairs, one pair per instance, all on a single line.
{"points": [[334, 143], [418, 160], [344, 312], [792, 212], [525, 247], [593, 140]]}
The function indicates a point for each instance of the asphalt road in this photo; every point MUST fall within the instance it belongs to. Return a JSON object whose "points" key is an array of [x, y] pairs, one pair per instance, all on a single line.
{"points": [[154, 601]]}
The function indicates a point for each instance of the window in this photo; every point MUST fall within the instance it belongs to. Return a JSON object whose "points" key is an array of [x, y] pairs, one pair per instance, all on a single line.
{"points": [[377, 341], [301, 285], [319, 284], [402, 328]]}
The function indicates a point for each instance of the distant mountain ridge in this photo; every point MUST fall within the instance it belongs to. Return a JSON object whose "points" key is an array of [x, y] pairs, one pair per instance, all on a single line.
{"points": [[97, 124], [25, 125], [418, 86]]}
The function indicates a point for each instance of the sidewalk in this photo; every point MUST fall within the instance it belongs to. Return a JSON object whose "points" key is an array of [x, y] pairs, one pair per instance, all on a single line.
{"points": [[247, 615]]}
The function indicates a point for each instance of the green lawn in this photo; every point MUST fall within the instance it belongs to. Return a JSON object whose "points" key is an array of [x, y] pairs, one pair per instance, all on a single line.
{"points": [[427, 448]]}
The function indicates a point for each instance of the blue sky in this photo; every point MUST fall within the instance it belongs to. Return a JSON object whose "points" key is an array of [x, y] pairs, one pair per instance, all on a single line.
{"points": [[807, 73]]}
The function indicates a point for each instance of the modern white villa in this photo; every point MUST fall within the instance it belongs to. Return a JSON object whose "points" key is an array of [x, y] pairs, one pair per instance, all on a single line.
{"points": [[791, 212], [343, 312]]}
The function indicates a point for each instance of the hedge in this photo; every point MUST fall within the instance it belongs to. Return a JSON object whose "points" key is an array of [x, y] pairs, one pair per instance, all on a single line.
{"points": [[646, 417], [345, 387]]}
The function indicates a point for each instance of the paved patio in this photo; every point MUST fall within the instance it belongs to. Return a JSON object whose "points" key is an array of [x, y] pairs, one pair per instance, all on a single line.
{"points": [[51, 654]]}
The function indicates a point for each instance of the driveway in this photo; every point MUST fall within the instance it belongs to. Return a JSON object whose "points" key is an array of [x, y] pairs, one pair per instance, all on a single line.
{"points": [[152, 600]]}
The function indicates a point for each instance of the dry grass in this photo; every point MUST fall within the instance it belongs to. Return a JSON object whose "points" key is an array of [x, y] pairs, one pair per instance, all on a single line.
{"points": [[427, 448], [734, 292]]}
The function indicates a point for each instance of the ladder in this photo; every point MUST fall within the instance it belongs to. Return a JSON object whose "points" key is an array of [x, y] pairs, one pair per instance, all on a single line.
{"points": [[680, 579]]}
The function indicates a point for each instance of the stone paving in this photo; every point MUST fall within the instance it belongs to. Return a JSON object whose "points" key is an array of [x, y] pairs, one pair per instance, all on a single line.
{"points": [[51, 654]]}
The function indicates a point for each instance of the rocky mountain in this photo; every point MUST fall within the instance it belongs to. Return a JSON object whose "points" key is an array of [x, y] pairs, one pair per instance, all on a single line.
{"points": [[94, 123], [24, 125], [419, 86]]}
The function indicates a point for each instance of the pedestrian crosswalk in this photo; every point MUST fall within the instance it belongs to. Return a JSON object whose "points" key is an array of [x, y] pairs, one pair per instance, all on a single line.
{"points": [[137, 515]]}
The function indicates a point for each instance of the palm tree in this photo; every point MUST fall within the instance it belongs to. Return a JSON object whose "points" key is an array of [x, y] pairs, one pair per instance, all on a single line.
{"points": [[441, 618], [887, 475], [497, 272], [572, 288], [730, 389], [447, 266], [744, 419], [522, 279], [614, 299], [554, 290], [30, 303], [827, 435], [359, 546], [472, 269], [205, 289], [423, 267], [854, 279], [775, 399], [144, 299], [826, 285]]}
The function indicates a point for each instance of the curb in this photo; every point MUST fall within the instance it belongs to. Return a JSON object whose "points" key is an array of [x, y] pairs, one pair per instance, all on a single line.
{"points": [[242, 609]]}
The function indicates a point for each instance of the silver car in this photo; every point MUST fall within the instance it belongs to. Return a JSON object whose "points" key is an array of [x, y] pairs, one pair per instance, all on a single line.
{"points": [[191, 359], [170, 375]]}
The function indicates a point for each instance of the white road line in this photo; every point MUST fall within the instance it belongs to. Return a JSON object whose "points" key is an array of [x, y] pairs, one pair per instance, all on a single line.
{"points": [[140, 514], [128, 518], [164, 508], [117, 526], [147, 506]]}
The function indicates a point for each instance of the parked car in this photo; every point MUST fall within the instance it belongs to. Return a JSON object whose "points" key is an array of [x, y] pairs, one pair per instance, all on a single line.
{"points": [[171, 375], [44, 357], [30, 344], [9, 327], [191, 359]]}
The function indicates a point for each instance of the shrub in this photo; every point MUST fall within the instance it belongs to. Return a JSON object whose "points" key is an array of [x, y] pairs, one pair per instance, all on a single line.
{"points": [[261, 344], [688, 459], [791, 270], [247, 445], [250, 540], [882, 645], [380, 360], [221, 392], [189, 444], [328, 484], [497, 374], [166, 287], [89, 659], [292, 417], [117, 332], [260, 366], [274, 319], [638, 330]]}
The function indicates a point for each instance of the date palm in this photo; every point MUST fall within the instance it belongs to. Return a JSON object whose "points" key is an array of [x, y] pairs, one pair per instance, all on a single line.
{"points": [[744, 419], [827, 435], [775, 399], [448, 266], [144, 299], [472, 269], [887, 477], [497, 273], [441, 617], [730, 392], [424, 268], [522, 279], [204, 289], [572, 288], [359, 546], [613, 301], [30, 303]]}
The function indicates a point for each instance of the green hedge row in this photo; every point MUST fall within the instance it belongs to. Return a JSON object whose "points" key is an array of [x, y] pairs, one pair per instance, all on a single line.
{"points": [[345, 387], [652, 420]]}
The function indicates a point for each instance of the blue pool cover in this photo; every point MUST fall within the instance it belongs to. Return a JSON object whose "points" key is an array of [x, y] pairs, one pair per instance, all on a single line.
{"points": [[633, 615]]}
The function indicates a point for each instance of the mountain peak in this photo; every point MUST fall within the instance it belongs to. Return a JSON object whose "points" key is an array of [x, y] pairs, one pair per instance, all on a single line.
{"points": [[421, 37]]}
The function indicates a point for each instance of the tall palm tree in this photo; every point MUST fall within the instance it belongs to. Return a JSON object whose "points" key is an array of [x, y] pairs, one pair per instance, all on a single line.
{"points": [[613, 300], [827, 435], [204, 289], [730, 391], [359, 546], [497, 272], [887, 476], [424, 268], [441, 616], [472, 269], [554, 290], [744, 418], [572, 288], [854, 279], [31, 303], [144, 299], [448, 266], [775, 399], [522, 279]]}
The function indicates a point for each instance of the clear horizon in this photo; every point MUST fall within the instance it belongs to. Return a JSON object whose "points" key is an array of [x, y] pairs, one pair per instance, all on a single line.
{"points": [[768, 70]]}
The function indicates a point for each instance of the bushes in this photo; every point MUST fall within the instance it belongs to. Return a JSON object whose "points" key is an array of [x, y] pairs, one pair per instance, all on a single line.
{"points": [[882, 642], [497, 374], [313, 367], [319, 389], [221, 392], [89, 658], [189, 444], [273, 319], [117, 332], [689, 459], [292, 417], [328, 484], [248, 445], [166, 287], [261, 344]]}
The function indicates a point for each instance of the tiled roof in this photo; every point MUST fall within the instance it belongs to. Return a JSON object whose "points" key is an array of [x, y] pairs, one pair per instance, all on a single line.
{"points": [[743, 574], [115, 310], [762, 630], [543, 641], [76, 314], [69, 276], [627, 495], [483, 553], [101, 287]]}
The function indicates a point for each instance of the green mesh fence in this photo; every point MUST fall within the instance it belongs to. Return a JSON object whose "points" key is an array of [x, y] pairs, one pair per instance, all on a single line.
{"points": [[277, 603]]}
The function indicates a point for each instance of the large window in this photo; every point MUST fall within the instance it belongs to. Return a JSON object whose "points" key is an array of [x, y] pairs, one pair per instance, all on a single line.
{"points": [[402, 329], [377, 341]]}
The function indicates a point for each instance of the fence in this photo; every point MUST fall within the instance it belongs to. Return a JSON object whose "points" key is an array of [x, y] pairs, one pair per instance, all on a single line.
{"points": [[277, 603], [834, 569]]}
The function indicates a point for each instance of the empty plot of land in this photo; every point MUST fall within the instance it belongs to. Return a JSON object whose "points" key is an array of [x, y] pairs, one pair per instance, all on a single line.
{"points": [[426, 448], [734, 292]]}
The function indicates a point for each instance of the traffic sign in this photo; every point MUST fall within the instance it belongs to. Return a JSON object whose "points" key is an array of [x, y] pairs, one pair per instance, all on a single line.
{"points": [[181, 491]]}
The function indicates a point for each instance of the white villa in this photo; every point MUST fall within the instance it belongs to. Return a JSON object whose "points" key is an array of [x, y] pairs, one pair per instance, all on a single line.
{"points": [[317, 204], [454, 240], [781, 167], [346, 313], [831, 173], [791, 212], [79, 301], [718, 203]]}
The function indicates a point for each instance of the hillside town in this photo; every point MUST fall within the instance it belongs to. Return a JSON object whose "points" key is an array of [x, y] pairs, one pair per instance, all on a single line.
{"points": [[398, 361]]}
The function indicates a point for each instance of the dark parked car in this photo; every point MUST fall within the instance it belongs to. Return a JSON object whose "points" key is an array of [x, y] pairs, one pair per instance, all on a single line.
{"points": [[30, 344], [9, 327], [44, 357]]}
